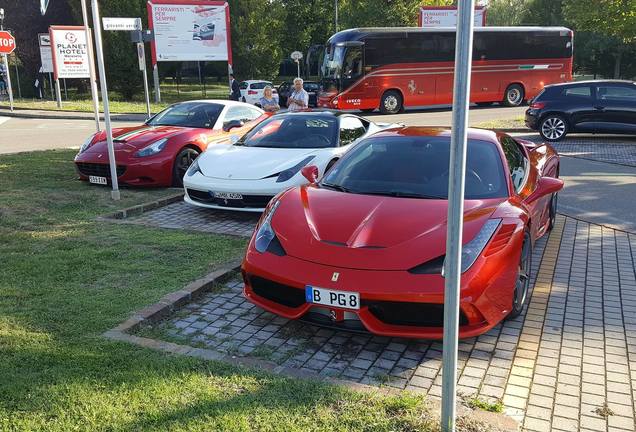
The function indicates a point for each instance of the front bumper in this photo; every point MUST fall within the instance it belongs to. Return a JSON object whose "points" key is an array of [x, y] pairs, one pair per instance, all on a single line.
{"points": [[153, 171], [393, 303], [199, 191]]}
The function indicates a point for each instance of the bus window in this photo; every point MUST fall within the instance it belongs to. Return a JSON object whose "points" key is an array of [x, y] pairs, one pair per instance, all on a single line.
{"points": [[353, 63]]}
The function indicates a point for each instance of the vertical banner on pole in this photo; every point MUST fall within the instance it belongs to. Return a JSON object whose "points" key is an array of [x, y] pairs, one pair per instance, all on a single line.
{"points": [[141, 57], [457, 168]]}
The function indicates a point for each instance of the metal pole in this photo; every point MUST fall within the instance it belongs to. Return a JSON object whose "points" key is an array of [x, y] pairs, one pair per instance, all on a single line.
{"points": [[91, 65], [9, 89], [298, 67], [145, 77], [17, 75], [51, 86], [336, 14], [102, 83], [200, 81], [155, 76], [65, 90], [457, 167], [58, 93]]}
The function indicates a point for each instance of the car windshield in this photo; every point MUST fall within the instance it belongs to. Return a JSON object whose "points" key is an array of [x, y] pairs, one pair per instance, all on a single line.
{"points": [[416, 167], [293, 131], [192, 114]]}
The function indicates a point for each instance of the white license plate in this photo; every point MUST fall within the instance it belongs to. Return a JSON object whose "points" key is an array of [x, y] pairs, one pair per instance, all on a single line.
{"points": [[97, 180], [327, 297], [228, 195]]}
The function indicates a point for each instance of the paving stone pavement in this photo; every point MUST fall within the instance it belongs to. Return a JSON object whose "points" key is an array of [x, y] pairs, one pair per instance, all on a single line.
{"points": [[569, 357], [181, 215], [611, 149]]}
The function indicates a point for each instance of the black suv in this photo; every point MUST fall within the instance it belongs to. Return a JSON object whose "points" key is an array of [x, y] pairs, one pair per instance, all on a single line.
{"points": [[584, 106]]}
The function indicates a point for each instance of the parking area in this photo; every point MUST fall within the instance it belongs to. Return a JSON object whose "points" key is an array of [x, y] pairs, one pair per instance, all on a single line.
{"points": [[568, 362]]}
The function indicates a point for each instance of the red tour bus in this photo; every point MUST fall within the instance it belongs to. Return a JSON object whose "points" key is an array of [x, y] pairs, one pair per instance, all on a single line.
{"points": [[393, 68]]}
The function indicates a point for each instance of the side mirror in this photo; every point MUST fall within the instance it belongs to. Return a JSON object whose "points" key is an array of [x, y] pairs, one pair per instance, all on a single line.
{"points": [[310, 172], [545, 186], [232, 124]]}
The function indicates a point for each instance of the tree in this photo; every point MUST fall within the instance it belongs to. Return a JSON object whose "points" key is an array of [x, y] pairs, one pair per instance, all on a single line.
{"points": [[23, 18], [543, 13], [506, 12], [614, 18]]}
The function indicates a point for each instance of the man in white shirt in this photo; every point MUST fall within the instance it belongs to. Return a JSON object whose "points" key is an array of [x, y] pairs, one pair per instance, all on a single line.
{"points": [[299, 99]]}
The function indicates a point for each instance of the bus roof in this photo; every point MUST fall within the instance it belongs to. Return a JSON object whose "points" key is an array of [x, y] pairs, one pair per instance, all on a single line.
{"points": [[357, 34]]}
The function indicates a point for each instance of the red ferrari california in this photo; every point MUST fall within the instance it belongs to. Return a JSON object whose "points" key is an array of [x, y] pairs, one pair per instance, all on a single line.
{"points": [[159, 152], [364, 248]]}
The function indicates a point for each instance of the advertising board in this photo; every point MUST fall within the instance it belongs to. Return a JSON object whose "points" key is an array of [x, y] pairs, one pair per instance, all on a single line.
{"points": [[70, 52], [446, 16]]}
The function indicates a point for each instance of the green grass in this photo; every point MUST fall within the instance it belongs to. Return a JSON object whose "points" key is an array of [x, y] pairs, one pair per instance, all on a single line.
{"points": [[65, 278], [511, 123], [477, 403], [170, 93]]}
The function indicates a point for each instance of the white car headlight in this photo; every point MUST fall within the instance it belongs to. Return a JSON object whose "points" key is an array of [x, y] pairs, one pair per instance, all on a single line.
{"points": [[87, 143], [265, 233], [472, 249], [153, 148], [194, 168]]}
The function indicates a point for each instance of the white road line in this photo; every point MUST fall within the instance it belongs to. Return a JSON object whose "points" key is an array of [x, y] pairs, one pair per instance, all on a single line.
{"points": [[4, 119]]}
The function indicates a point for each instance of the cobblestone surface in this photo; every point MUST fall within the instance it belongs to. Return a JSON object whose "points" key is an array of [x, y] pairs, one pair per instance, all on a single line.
{"points": [[181, 215], [611, 149], [569, 356]]}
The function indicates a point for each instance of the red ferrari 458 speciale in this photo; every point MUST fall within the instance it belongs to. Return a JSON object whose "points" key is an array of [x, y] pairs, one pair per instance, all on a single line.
{"points": [[364, 248], [159, 152]]}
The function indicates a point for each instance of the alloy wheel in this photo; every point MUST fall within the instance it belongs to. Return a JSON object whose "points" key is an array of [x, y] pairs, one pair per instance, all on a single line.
{"points": [[553, 128], [184, 160], [390, 103], [514, 96]]}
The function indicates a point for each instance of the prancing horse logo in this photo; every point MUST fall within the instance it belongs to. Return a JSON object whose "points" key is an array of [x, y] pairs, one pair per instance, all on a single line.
{"points": [[335, 277], [412, 86]]}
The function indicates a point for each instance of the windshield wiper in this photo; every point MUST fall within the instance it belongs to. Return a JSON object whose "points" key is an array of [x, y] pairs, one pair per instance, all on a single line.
{"points": [[400, 194], [337, 187]]}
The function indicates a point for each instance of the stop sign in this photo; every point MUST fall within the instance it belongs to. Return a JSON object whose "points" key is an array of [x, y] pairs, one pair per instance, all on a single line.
{"points": [[7, 42]]}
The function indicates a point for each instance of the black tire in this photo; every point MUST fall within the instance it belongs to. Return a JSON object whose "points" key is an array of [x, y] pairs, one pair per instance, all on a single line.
{"points": [[553, 211], [391, 102], [514, 95], [484, 104], [522, 284], [553, 127], [182, 162]]}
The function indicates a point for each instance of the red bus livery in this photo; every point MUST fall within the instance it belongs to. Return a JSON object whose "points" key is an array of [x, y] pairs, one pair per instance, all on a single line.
{"points": [[393, 68]]}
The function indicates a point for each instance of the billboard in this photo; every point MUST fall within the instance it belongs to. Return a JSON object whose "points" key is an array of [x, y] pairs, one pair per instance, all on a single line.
{"points": [[70, 52], [46, 56], [446, 16], [190, 30]]}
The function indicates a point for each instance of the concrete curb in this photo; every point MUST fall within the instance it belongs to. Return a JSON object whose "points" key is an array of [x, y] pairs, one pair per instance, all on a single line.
{"points": [[142, 208], [66, 115], [173, 301]]}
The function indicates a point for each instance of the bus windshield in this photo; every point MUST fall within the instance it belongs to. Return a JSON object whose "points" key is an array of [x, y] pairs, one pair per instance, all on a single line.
{"points": [[331, 69]]}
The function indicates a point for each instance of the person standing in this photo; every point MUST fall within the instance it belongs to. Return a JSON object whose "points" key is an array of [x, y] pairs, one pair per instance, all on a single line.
{"points": [[299, 99], [267, 102], [235, 91]]}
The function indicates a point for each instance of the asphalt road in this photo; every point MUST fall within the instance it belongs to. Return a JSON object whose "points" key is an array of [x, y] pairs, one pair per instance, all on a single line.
{"points": [[599, 192], [20, 135]]}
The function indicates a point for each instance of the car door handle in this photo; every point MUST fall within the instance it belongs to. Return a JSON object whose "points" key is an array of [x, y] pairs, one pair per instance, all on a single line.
{"points": [[600, 108]]}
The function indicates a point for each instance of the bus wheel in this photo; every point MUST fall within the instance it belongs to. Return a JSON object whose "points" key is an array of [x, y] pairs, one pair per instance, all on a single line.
{"points": [[391, 102], [514, 95]]}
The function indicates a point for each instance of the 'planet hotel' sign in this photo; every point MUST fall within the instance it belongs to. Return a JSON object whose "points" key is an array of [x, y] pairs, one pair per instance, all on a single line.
{"points": [[70, 52]]}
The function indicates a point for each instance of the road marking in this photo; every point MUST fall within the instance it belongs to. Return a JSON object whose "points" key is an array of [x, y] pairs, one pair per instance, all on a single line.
{"points": [[4, 119]]}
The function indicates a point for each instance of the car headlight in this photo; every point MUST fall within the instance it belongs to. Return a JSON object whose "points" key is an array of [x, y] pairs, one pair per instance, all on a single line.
{"points": [[153, 148], [87, 143], [194, 168], [265, 233], [472, 249], [290, 172]]}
